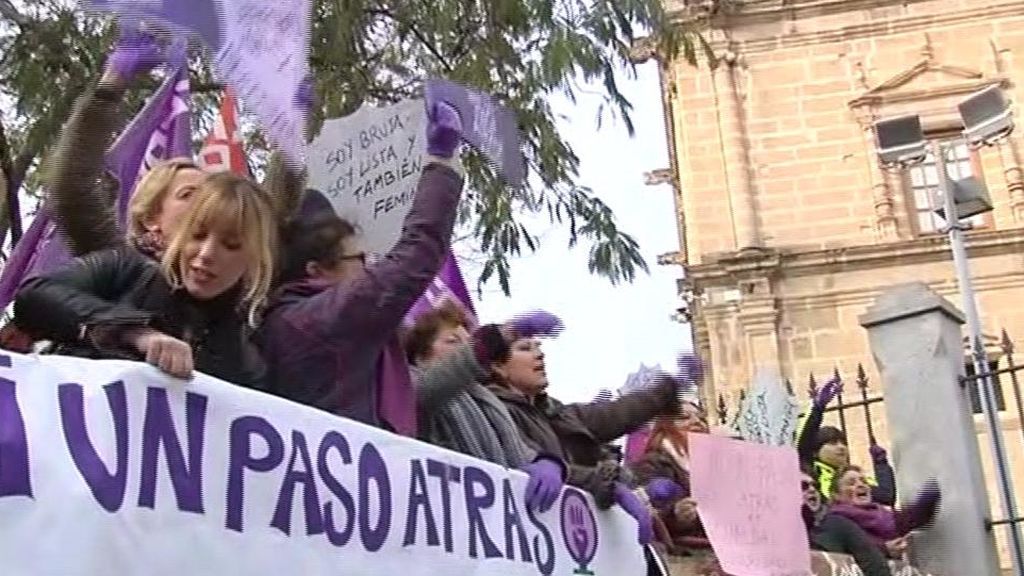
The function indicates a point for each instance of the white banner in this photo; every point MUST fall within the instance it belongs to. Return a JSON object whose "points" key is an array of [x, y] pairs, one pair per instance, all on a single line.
{"points": [[368, 164], [109, 467]]}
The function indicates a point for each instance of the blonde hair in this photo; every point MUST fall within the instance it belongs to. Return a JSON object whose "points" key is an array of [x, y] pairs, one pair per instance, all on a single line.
{"points": [[151, 191], [224, 199]]}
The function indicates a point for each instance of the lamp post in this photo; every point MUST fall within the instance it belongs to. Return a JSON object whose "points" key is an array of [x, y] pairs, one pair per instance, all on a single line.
{"points": [[901, 143]]}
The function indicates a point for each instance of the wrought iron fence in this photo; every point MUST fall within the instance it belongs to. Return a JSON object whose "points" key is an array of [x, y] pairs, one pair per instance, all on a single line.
{"points": [[985, 373], [844, 410]]}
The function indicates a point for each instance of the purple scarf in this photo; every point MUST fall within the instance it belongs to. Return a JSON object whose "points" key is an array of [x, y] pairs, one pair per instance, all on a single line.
{"points": [[877, 520]]}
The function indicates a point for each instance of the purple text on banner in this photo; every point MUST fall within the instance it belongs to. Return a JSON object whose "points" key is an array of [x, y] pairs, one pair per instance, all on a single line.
{"points": [[161, 130], [752, 519], [487, 125], [447, 286]]}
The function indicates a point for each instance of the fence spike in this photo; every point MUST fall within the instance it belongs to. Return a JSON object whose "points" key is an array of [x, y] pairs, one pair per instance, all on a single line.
{"points": [[722, 409], [1006, 344], [835, 374], [812, 386], [862, 377], [789, 387]]}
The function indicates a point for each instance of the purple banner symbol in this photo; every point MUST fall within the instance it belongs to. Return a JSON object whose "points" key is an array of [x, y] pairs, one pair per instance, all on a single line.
{"points": [[161, 130], [579, 530], [448, 286], [488, 126]]}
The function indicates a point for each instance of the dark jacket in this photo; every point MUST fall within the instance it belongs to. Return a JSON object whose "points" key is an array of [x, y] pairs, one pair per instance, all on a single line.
{"points": [[832, 533], [120, 287], [576, 433], [335, 346], [657, 464], [882, 523], [883, 489]]}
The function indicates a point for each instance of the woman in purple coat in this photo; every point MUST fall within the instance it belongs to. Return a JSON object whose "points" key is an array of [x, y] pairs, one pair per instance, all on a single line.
{"points": [[330, 331]]}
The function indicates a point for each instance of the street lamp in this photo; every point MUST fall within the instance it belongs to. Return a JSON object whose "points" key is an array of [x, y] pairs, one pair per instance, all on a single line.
{"points": [[987, 119]]}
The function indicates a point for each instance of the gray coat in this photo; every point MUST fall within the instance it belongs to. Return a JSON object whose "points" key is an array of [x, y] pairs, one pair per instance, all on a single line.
{"points": [[459, 413]]}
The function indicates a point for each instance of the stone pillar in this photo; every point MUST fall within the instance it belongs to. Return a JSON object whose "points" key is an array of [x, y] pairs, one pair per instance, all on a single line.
{"points": [[736, 154], [915, 339]]}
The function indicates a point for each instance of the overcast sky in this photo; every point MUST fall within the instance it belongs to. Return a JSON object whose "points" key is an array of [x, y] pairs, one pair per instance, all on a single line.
{"points": [[610, 330]]}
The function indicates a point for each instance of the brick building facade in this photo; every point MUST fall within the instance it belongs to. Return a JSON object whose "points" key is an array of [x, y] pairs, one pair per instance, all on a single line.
{"points": [[788, 227]]}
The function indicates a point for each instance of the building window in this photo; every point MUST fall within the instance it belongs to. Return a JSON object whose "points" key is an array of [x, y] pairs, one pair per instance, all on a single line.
{"points": [[972, 387], [961, 162]]}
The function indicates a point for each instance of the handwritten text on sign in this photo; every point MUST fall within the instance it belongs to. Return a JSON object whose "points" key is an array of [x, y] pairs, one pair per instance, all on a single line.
{"points": [[752, 518], [127, 471], [264, 57], [368, 165]]}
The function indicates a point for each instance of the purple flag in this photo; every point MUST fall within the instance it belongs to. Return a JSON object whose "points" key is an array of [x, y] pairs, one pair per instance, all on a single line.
{"points": [[161, 130], [448, 286], [487, 126], [202, 17]]}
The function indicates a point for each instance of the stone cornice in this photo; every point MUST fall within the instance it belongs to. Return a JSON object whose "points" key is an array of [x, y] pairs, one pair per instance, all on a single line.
{"points": [[749, 14], [726, 269]]}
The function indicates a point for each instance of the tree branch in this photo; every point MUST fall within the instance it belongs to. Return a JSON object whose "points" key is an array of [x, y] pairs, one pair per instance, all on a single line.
{"points": [[416, 32], [8, 11]]}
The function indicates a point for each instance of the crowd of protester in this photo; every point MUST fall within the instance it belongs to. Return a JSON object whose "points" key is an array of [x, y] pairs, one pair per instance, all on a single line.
{"points": [[264, 286]]}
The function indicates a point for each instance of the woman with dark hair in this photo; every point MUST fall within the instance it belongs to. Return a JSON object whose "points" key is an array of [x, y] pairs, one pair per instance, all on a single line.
{"points": [[824, 448], [888, 528], [331, 330], [457, 412], [577, 433], [834, 533]]}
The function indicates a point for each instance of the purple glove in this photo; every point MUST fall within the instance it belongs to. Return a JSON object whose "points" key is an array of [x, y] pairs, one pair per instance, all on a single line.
{"points": [[444, 130], [924, 507], [305, 94], [691, 369], [634, 507], [536, 323], [663, 491], [545, 483], [878, 454], [136, 53], [828, 392]]}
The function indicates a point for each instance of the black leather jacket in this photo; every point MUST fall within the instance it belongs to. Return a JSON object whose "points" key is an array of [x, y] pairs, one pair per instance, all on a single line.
{"points": [[122, 287]]}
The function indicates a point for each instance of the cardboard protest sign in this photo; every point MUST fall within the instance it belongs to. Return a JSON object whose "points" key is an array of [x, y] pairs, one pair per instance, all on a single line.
{"points": [[125, 470], [264, 55], [486, 125], [368, 164], [748, 498], [769, 413], [260, 48]]}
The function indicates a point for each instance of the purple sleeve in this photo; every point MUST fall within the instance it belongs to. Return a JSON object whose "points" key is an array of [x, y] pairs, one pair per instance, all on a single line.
{"points": [[373, 307]]}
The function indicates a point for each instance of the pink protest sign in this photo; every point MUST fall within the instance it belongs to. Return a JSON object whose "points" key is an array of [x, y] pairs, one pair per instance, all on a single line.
{"points": [[748, 497]]}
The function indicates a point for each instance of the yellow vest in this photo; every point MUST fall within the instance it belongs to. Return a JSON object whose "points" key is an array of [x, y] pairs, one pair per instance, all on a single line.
{"points": [[826, 475]]}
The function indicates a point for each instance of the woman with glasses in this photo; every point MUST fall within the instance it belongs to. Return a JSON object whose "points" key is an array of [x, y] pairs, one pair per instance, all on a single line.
{"points": [[832, 533], [331, 330]]}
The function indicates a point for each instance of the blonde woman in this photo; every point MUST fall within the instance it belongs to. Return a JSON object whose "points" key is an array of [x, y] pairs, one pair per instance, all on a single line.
{"points": [[191, 311], [82, 196]]}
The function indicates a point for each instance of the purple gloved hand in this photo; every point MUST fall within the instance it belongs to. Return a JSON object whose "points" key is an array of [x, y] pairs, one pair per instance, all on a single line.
{"points": [[444, 130], [878, 454], [828, 392], [691, 368], [634, 507], [536, 323], [306, 93], [923, 509], [545, 484], [663, 491], [136, 53]]}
